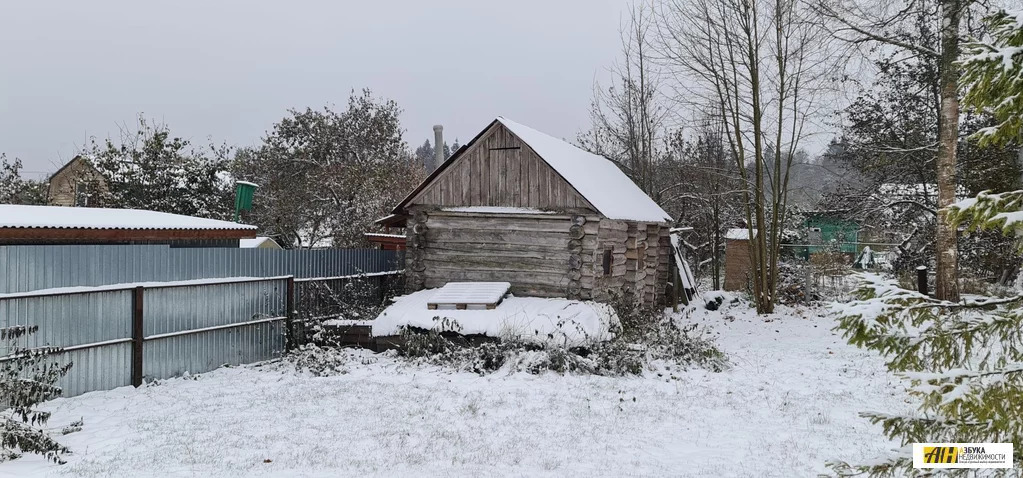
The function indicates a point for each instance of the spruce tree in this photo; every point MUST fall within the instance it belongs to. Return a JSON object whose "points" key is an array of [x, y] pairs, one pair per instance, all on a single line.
{"points": [[963, 360], [993, 78]]}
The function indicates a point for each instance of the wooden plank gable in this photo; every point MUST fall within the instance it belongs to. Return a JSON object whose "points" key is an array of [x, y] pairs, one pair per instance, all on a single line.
{"points": [[499, 169]]}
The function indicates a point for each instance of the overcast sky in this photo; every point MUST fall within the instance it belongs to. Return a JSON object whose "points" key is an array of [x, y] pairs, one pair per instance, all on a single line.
{"points": [[230, 69]]}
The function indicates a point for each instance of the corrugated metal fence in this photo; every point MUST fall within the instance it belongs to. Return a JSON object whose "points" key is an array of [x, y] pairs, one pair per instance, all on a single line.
{"points": [[41, 267], [125, 334], [116, 336], [199, 309]]}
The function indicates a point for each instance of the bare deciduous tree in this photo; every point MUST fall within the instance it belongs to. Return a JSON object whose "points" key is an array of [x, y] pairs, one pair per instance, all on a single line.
{"points": [[760, 63], [702, 191], [630, 117]]}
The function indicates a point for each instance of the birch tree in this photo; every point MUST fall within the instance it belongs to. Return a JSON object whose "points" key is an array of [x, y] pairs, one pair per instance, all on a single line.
{"points": [[872, 22], [760, 64]]}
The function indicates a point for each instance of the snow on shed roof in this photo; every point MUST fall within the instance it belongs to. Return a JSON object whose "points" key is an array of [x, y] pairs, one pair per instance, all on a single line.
{"points": [[59, 217], [595, 177], [739, 233]]}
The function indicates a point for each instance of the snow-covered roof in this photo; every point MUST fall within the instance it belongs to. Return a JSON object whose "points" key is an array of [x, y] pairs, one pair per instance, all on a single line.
{"points": [[58, 217], [596, 178], [377, 234], [741, 234], [256, 242]]}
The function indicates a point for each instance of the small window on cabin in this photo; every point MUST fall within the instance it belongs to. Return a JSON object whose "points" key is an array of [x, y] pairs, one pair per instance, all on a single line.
{"points": [[607, 262]]}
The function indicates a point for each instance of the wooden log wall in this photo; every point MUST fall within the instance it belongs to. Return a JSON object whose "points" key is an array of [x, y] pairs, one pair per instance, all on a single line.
{"points": [[541, 255], [612, 237], [664, 259], [639, 260], [415, 267]]}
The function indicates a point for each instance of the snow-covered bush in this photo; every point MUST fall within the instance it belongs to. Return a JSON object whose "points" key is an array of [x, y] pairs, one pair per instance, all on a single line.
{"points": [[28, 378], [319, 361], [964, 361]]}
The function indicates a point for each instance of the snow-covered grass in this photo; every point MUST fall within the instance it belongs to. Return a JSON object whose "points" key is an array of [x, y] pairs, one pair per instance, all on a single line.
{"points": [[788, 404]]}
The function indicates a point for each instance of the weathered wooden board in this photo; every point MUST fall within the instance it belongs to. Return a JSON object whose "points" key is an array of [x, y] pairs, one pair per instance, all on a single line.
{"points": [[496, 248], [520, 287]]}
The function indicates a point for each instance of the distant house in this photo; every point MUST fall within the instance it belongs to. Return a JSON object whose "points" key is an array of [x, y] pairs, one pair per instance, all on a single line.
{"points": [[826, 231], [516, 205], [77, 183], [259, 243], [42, 225]]}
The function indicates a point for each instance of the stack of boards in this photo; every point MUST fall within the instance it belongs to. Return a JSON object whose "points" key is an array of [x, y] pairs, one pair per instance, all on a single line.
{"points": [[468, 296]]}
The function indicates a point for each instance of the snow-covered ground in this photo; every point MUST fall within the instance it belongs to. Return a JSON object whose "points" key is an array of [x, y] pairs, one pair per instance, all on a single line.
{"points": [[787, 406]]}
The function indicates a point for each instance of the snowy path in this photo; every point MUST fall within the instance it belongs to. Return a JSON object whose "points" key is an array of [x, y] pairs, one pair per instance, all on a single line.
{"points": [[787, 406]]}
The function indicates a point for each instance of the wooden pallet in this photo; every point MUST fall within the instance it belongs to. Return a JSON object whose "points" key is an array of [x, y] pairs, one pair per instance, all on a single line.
{"points": [[468, 296]]}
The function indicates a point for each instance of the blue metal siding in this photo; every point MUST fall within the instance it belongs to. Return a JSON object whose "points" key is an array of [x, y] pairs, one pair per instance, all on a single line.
{"points": [[42, 267]]}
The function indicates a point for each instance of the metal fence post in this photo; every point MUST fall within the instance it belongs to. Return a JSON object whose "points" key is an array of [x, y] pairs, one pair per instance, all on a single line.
{"points": [[136, 336], [289, 324]]}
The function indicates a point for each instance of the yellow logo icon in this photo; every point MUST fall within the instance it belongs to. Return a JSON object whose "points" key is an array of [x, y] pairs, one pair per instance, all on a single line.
{"points": [[941, 454], [962, 455]]}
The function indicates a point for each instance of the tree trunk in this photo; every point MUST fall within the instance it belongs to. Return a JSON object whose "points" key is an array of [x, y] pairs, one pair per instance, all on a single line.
{"points": [[948, 138], [716, 239]]}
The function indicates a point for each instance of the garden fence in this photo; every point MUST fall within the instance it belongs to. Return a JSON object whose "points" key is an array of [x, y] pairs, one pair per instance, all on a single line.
{"points": [[125, 334]]}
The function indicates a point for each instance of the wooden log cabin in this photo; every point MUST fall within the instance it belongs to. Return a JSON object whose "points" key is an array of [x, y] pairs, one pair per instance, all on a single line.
{"points": [[519, 206]]}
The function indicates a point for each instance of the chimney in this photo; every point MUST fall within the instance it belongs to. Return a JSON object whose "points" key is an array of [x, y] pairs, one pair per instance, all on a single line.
{"points": [[438, 147]]}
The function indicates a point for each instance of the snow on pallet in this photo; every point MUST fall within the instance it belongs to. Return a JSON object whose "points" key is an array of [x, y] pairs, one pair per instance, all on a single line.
{"points": [[468, 296]]}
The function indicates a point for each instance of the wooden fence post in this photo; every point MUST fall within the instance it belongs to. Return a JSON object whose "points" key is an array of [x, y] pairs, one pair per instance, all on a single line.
{"points": [[136, 336], [675, 281], [921, 279], [289, 325], [680, 290]]}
